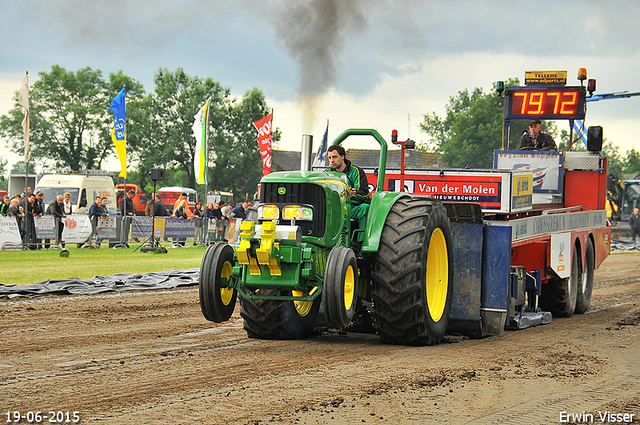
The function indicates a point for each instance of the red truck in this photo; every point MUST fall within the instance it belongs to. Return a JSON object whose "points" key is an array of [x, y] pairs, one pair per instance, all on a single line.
{"points": [[139, 201], [169, 195]]}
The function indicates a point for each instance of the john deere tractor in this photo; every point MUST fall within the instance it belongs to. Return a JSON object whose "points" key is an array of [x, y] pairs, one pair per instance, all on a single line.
{"points": [[297, 256]]}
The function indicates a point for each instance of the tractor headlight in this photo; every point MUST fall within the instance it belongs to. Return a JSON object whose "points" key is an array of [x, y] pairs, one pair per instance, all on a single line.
{"points": [[297, 212], [268, 212]]}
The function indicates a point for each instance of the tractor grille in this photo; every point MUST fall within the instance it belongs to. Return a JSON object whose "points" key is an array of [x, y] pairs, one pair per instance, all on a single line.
{"points": [[299, 194]]}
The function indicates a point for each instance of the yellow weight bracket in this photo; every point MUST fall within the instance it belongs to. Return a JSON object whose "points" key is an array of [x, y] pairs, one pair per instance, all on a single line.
{"points": [[266, 248], [247, 231]]}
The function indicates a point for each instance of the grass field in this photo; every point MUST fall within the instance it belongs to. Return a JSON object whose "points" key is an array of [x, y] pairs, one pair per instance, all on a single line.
{"points": [[21, 267]]}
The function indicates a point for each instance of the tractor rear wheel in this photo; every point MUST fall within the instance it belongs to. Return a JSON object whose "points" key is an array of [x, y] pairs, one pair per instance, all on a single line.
{"points": [[217, 299], [273, 319], [413, 274], [560, 296], [586, 285], [340, 287]]}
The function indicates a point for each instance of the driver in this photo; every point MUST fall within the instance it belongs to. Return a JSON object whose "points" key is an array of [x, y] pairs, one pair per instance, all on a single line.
{"points": [[358, 185], [534, 139]]}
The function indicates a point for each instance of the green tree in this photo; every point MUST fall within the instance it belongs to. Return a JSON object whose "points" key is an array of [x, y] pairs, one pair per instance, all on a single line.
{"points": [[473, 128], [615, 162], [70, 117], [470, 131], [161, 135], [632, 162], [160, 131], [20, 168], [236, 159]]}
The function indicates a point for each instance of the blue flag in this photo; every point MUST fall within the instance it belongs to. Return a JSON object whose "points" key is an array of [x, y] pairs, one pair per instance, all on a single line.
{"points": [[119, 132], [321, 156]]}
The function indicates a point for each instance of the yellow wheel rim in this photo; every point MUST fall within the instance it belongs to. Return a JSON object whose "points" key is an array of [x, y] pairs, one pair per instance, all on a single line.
{"points": [[437, 276], [302, 307], [349, 287], [226, 294]]}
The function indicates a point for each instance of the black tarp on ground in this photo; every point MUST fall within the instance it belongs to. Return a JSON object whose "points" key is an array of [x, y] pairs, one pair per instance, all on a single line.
{"points": [[99, 284]]}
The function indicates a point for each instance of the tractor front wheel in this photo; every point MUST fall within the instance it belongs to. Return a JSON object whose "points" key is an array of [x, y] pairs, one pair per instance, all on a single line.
{"points": [[340, 287], [217, 298], [413, 274]]}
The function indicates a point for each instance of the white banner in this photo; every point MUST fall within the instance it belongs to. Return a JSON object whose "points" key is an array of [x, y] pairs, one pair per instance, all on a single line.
{"points": [[77, 229], [9, 233]]}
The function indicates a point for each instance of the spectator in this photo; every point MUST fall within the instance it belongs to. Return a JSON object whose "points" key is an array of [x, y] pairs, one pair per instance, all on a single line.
{"points": [[634, 223], [226, 213], [181, 210], [95, 212], [221, 221], [56, 209], [209, 222], [126, 211], [239, 212], [103, 205], [159, 210], [104, 208], [40, 210], [68, 208], [5, 205], [30, 225], [15, 210], [183, 204], [197, 210], [208, 211], [148, 208], [40, 203], [199, 236]]}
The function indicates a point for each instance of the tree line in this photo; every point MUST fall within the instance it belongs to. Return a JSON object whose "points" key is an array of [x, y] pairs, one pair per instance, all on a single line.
{"points": [[71, 125]]}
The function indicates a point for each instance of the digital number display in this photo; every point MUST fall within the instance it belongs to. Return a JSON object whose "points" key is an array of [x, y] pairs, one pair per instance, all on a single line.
{"points": [[545, 102]]}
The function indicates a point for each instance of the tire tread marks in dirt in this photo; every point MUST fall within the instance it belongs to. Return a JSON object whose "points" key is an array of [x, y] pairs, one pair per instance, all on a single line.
{"points": [[399, 291]]}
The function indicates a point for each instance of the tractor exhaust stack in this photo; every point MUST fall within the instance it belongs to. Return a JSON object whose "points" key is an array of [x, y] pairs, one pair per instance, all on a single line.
{"points": [[306, 152]]}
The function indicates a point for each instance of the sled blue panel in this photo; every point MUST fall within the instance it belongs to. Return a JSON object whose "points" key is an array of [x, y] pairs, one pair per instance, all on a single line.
{"points": [[496, 264], [467, 277]]}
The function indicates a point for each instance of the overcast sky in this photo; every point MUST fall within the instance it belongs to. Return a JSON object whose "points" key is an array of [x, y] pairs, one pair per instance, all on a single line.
{"points": [[375, 64]]}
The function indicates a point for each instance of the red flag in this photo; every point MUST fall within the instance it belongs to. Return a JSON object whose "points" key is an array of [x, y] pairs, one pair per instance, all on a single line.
{"points": [[264, 142]]}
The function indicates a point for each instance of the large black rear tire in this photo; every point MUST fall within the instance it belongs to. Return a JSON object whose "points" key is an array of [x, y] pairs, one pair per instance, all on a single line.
{"points": [[272, 319], [413, 274], [217, 300], [585, 288], [560, 296]]}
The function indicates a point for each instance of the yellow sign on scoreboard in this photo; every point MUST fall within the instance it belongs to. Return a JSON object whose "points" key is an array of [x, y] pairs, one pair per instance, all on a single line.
{"points": [[545, 77]]}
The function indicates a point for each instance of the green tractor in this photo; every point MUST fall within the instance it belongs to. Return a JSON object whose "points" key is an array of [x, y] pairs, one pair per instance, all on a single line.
{"points": [[296, 258]]}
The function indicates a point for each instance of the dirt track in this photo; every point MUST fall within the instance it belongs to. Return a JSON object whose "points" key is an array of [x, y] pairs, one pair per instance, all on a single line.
{"points": [[151, 358]]}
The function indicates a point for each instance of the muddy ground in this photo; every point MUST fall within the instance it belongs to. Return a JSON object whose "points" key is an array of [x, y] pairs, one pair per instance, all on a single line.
{"points": [[151, 358]]}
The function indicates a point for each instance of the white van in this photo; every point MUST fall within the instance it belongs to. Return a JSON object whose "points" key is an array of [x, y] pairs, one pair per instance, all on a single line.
{"points": [[83, 187]]}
